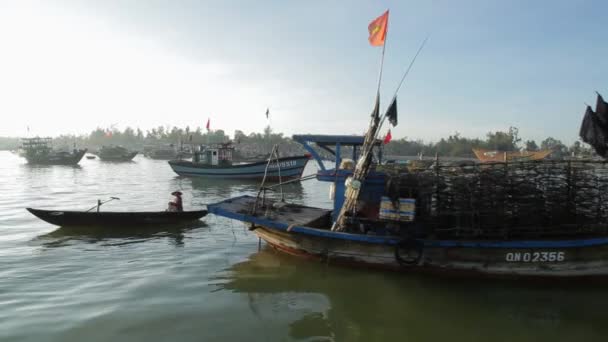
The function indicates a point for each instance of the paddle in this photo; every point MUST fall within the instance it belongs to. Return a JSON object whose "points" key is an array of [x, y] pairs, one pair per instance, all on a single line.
{"points": [[99, 203]]}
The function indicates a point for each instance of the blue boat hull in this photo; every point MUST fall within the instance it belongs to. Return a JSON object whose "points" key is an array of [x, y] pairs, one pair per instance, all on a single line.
{"points": [[573, 258], [290, 168]]}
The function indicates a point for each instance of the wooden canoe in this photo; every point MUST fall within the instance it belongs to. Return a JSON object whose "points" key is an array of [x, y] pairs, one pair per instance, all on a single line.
{"points": [[66, 218]]}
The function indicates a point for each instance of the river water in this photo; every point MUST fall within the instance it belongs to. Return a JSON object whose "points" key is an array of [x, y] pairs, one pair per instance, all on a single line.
{"points": [[213, 281]]}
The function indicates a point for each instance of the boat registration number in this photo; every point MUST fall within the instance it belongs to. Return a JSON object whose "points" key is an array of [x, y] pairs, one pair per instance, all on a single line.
{"points": [[557, 256], [283, 164]]}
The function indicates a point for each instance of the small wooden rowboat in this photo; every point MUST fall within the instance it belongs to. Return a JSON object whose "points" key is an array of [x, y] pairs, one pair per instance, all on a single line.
{"points": [[108, 218]]}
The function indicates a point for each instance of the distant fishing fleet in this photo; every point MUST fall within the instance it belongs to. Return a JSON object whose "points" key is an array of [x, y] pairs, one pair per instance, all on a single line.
{"points": [[210, 161], [511, 214]]}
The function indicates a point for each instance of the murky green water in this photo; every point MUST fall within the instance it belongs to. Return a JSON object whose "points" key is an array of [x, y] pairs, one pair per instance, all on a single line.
{"points": [[211, 282]]}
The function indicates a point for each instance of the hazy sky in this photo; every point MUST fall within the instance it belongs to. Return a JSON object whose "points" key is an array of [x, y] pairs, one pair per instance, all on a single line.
{"points": [[71, 66]]}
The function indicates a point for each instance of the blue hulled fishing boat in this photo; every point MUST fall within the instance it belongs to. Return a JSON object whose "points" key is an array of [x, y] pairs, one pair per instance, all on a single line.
{"points": [[524, 218], [217, 162], [481, 219]]}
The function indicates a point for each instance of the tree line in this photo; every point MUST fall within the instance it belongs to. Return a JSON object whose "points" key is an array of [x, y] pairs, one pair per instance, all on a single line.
{"points": [[261, 142], [457, 146]]}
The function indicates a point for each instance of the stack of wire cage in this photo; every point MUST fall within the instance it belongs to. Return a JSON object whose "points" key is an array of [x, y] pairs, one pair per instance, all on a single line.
{"points": [[523, 199]]}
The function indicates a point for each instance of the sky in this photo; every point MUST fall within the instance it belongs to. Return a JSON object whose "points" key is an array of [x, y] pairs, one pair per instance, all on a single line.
{"points": [[67, 67]]}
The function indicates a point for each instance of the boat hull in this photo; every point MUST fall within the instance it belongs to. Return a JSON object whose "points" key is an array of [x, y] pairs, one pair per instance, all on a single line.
{"points": [[571, 259], [117, 158], [55, 158], [290, 168], [115, 219], [303, 231]]}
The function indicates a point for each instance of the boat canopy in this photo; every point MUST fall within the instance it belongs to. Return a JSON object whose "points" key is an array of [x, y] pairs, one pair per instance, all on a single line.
{"points": [[333, 145]]}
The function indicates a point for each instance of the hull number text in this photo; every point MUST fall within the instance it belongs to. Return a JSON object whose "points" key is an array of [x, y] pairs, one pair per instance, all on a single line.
{"points": [[284, 164], [535, 256]]}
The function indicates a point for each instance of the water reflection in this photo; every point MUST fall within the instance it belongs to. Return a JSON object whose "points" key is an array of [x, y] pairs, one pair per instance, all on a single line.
{"points": [[327, 303], [226, 188], [66, 236], [50, 167]]}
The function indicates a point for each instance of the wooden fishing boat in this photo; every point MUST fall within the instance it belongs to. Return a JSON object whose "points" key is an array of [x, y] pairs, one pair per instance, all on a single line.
{"points": [[161, 152], [115, 153], [533, 218], [38, 151], [491, 156], [109, 219], [217, 162], [536, 240]]}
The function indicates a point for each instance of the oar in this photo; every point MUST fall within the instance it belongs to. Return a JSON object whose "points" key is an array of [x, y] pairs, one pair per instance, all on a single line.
{"points": [[99, 203]]}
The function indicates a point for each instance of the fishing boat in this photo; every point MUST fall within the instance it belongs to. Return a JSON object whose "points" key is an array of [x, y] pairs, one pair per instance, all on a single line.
{"points": [[38, 151], [162, 152], [216, 161], [457, 220], [489, 156], [543, 219], [66, 218], [115, 219], [115, 153]]}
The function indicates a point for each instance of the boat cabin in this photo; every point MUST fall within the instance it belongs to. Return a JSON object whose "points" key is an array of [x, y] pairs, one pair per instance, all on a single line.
{"points": [[342, 147], [214, 155]]}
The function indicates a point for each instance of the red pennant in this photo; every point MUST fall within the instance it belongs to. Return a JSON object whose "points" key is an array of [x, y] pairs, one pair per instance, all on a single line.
{"points": [[387, 138]]}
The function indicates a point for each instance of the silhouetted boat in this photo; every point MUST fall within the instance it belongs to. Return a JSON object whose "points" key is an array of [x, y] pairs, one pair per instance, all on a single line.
{"points": [[115, 219], [38, 151], [115, 153], [160, 152]]}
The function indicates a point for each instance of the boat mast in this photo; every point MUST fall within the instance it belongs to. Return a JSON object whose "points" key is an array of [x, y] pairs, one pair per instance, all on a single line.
{"points": [[353, 185]]}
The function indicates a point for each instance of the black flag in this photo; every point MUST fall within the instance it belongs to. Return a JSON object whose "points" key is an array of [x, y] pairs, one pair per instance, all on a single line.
{"points": [[601, 109], [267, 112], [391, 113], [376, 111], [594, 132]]}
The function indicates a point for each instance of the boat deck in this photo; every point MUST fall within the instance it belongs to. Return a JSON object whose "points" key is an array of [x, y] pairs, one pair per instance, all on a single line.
{"points": [[278, 212]]}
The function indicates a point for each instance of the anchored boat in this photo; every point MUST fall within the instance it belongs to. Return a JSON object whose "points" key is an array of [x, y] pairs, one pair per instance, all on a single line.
{"points": [[38, 151], [489, 156], [163, 152], [484, 219], [115, 153], [510, 218], [217, 162]]}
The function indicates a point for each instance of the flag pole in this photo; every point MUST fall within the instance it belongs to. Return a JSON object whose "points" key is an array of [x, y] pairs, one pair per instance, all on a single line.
{"points": [[362, 167], [351, 193], [407, 71]]}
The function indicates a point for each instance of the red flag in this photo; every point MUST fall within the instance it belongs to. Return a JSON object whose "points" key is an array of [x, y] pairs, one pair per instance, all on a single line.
{"points": [[208, 125], [377, 30], [387, 138]]}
